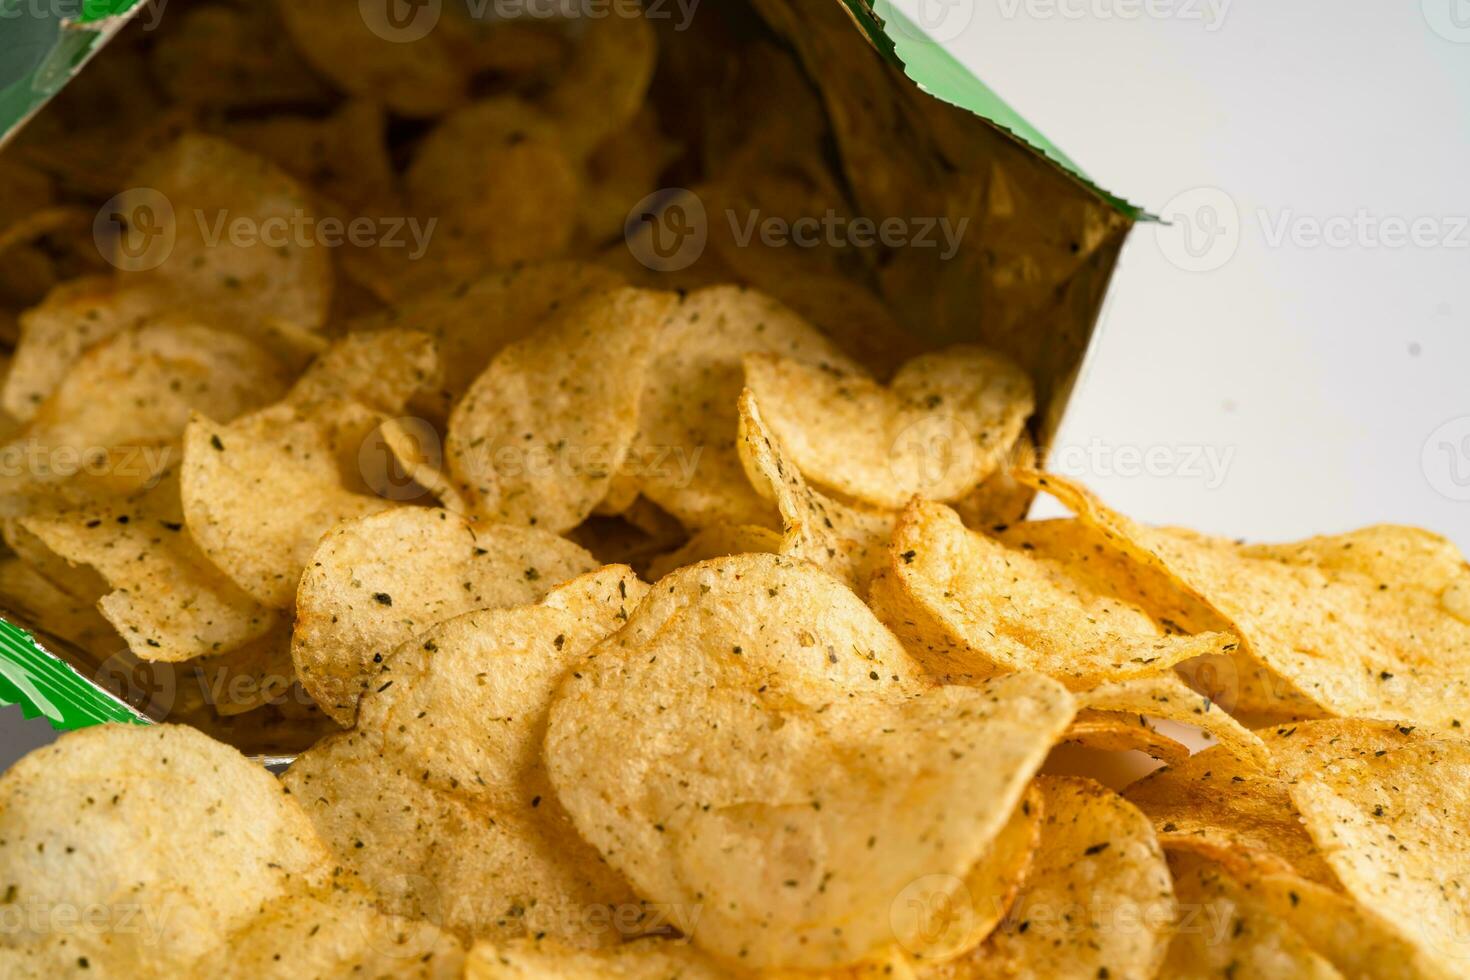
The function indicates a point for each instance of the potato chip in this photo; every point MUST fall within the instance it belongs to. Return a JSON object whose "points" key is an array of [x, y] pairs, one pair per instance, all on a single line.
{"points": [[500, 858], [1165, 696], [473, 321], [404, 460], [375, 583], [621, 171], [251, 676], [1097, 902], [1116, 731], [1390, 821], [166, 600], [539, 437], [1229, 810], [260, 492], [1225, 930], [716, 541], [25, 592], [74, 316], [765, 698], [942, 426], [688, 463], [969, 606], [223, 56], [1357, 637], [646, 959], [380, 369], [603, 85], [244, 249], [367, 52], [848, 542], [499, 183], [1001, 500], [80, 825]]}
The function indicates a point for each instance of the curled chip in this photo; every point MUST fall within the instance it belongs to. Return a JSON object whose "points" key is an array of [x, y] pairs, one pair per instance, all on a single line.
{"points": [[1230, 931], [943, 425], [237, 856], [970, 606], [111, 419], [375, 583], [471, 322], [1229, 810], [166, 599], [1165, 696], [754, 733], [1097, 902], [44, 605], [1357, 625], [716, 541], [1373, 798], [1117, 731], [380, 369], [439, 800], [539, 438], [849, 542], [260, 492], [687, 428], [239, 255]]}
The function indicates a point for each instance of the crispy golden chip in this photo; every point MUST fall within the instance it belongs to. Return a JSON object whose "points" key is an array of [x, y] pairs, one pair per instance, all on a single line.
{"points": [[1165, 696], [688, 463], [260, 492], [81, 830], [1387, 807], [499, 857], [604, 84], [1372, 635], [766, 694], [969, 606], [473, 321], [112, 418], [41, 604], [244, 248], [1117, 731], [716, 541], [1231, 811], [1098, 901], [166, 599], [251, 676], [1001, 500], [381, 369], [646, 959], [499, 182], [943, 425], [404, 460], [74, 316], [1226, 930], [848, 542], [375, 583], [539, 437]]}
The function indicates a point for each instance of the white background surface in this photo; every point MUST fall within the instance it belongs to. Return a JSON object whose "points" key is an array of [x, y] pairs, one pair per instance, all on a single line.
{"points": [[1318, 374]]}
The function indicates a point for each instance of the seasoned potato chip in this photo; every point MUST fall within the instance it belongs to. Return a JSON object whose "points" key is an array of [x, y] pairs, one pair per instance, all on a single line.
{"points": [[1165, 696], [539, 437], [375, 583], [969, 606], [1001, 500], [260, 492], [237, 258], [1228, 931], [166, 600], [646, 959], [381, 369], [1116, 731], [226, 56], [1229, 810], [765, 693], [1097, 902], [943, 425], [716, 541], [500, 858], [112, 417], [687, 427], [80, 822], [849, 542], [1376, 636], [25, 591], [74, 316], [251, 676], [1387, 808], [603, 85], [621, 171], [473, 321]]}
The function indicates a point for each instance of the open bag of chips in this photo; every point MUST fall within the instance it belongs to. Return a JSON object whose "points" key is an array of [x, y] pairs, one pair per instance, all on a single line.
{"points": [[551, 493]]}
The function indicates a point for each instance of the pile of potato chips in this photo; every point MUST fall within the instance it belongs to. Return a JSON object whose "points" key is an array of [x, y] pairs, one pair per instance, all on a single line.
{"points": [[621, 621]]}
